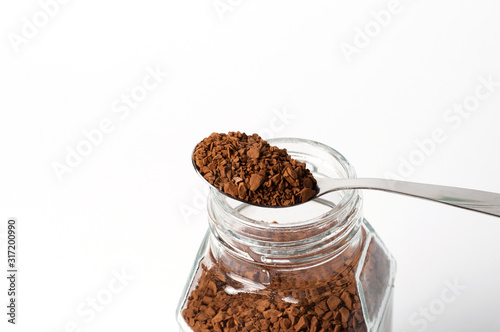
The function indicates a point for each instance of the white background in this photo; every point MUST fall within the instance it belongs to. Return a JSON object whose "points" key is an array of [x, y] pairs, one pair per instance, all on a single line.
{"points": [[134, 204]]}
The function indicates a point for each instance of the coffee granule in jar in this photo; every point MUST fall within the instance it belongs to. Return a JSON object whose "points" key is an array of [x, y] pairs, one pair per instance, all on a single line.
{"points": [[250, 169], [331, 306], [317, 299]]}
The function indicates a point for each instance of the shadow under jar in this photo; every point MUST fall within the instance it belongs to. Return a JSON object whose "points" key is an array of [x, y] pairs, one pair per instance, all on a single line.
{"points": [[318, 266]]}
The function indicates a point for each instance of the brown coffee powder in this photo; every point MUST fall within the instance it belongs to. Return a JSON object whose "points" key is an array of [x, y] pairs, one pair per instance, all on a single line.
{"points": [[231, 293], [250, 169], [331, 305], [317, 299]]}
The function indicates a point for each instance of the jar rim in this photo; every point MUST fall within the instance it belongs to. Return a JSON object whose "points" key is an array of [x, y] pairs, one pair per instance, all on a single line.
{"points": [[349, 198]]}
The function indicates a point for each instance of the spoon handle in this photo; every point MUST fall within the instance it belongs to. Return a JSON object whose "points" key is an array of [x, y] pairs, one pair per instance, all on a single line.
{"points": [[475, 200]]}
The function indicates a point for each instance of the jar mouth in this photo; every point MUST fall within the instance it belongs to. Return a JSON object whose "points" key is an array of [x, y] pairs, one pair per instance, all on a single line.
{"points": [[322, 161]]}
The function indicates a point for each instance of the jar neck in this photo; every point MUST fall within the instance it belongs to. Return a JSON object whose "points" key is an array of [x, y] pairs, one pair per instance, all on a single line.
{"points": [[273, 244]]}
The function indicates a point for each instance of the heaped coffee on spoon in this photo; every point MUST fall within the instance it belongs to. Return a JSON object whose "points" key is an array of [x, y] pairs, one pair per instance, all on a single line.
{"points": [[248, 168]]}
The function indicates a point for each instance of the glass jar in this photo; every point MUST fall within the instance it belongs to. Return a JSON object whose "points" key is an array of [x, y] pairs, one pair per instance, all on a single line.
{"points": [[318, 266]]}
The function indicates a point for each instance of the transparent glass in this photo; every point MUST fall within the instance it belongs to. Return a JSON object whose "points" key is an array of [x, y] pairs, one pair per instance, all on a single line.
{"points": [[318, 266]]}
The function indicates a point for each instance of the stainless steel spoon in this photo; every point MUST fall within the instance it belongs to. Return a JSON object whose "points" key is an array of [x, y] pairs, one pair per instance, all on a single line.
{"points": [[470, 199]]}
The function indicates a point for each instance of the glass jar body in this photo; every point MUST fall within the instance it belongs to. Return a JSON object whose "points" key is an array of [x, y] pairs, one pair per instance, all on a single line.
{"points": [[325, 270]]}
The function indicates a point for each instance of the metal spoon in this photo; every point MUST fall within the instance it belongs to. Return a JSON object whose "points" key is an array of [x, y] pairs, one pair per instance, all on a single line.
{"points": [[470, 199], [475, 200]]}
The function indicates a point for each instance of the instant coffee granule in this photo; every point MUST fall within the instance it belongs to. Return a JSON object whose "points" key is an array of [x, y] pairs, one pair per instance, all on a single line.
{"points": [[317, 299], [316, 293], [250, 169]]}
